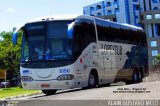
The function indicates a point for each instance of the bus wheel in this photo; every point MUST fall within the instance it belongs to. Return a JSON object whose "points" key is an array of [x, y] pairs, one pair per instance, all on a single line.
{"points": [[134, 77], [92, 80], [139, 76], [49, 92]]}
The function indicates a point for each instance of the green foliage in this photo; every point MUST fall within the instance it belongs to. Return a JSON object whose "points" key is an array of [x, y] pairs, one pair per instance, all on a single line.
{"points": [[15, 92], [157, 60], [158, 57], [9, 53]]}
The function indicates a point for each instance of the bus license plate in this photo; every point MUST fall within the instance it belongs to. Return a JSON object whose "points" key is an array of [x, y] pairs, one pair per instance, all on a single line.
{"points": [[45, 85]]}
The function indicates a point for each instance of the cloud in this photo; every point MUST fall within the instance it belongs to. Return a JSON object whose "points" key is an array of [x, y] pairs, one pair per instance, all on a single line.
{"points": [[10, 10]]}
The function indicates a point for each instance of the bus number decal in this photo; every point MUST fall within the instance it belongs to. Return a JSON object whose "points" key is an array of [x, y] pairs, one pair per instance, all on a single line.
{"points": [[64, 70]]}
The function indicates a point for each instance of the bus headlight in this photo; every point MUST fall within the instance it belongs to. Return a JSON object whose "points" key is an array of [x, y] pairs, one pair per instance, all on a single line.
{"points": [[26, 78], [65, 77]]}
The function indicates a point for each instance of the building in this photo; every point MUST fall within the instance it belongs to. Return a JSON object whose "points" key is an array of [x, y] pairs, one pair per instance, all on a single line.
{"points": [[141, 13]]}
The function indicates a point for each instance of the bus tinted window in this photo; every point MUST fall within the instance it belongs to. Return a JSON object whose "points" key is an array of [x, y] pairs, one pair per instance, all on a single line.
{"points": [[120, 34], [85, 31], [84, 34]]}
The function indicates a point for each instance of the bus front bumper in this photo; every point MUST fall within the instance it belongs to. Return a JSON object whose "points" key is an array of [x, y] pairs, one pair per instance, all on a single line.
{"points": [[55, 84]]}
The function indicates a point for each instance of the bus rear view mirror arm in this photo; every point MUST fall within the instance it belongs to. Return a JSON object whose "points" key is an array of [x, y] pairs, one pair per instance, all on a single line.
{"points": [[14, 38], [15, 35], [70, 30]]}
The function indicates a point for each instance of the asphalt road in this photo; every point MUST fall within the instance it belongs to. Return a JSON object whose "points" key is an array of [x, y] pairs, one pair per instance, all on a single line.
{"points": [[95, 96]]}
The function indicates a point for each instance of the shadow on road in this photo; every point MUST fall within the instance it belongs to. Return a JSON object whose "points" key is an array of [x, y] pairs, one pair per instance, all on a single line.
{"points": [[80, 89]]}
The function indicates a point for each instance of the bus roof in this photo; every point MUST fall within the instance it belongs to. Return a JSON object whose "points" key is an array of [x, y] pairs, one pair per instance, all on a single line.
{"points": [[111, 23], [74, 16]]}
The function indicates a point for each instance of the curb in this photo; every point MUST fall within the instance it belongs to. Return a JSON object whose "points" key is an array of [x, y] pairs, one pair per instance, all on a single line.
{"points": [[24, 95]]}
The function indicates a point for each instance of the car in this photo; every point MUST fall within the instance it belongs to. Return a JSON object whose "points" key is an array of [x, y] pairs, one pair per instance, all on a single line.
{"points": [[3, 84]]}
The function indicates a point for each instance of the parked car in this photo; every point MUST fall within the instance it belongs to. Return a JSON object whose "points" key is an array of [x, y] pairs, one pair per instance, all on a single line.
{"points": [[3, 83]]}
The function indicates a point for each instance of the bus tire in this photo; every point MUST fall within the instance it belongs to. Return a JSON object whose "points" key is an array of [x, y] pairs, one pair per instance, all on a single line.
{"points": [[134, 79], [139, 76], [49, 92], [105, 85], [93, 80]]}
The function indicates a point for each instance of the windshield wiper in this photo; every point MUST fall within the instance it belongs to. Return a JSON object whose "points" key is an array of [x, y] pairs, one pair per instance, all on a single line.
{"points": [[27, 58]]}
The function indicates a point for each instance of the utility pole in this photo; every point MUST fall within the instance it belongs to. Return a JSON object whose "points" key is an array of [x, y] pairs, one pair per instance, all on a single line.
{"points": [[5, 78]]}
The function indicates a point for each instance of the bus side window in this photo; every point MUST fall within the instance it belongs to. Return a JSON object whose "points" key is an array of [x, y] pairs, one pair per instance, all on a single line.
{"points": [[84, 34], [85, 39], [103, 33], [77, 43]]}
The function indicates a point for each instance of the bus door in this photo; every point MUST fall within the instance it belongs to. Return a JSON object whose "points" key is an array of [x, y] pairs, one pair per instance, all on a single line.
{"points": [[115, 60], [108, 69], [109, 65], [100, 61], [84, 42], [114, 67]]}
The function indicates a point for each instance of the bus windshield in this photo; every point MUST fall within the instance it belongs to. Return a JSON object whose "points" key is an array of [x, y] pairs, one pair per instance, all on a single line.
{"points": [[46, 41]]}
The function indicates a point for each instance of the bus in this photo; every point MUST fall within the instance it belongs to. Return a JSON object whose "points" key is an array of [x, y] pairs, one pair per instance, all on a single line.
{"points": [[80, 52]]}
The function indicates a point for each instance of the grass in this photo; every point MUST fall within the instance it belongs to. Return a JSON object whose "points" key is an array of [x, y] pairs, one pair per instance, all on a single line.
{"points": [[15, 91]]}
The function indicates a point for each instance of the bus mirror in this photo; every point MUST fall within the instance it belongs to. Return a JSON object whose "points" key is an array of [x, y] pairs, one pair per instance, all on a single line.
{"points": [[70, 30], [14, 38]]}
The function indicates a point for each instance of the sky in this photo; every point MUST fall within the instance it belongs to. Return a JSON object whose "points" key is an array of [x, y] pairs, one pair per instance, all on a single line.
{"points": [[14, 13]]}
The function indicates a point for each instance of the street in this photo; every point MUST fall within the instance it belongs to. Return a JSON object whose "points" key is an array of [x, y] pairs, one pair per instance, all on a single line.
{"points": [[117, 91]]}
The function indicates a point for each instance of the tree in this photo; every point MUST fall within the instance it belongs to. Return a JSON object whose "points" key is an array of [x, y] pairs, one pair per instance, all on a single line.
{"points": [[158, 57], [10, 54]]}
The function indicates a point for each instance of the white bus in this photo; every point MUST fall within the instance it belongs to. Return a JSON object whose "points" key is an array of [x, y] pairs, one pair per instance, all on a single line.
{"points": [[80, 52]]}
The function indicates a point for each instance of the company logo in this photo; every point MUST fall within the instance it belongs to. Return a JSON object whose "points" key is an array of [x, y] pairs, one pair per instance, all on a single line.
{"points": [[26, 72], [111, 49]]}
